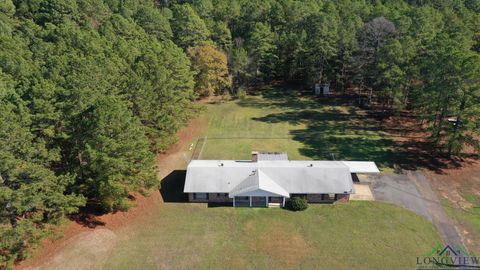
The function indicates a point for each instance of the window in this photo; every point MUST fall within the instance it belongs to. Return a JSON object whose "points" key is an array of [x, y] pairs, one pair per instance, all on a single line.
{"points": [[328, 197], [200, 196]]}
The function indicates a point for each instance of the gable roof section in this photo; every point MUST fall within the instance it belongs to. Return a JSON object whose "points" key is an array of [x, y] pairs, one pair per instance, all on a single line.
{"points": [[257, 184], [290, 176]]}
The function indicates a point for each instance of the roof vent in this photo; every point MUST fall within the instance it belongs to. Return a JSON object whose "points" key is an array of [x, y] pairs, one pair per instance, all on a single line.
{"points": [[220, 164], [310, 165]]}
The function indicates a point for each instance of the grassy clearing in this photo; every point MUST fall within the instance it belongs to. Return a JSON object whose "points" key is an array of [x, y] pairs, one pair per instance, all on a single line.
{"points": [[305, 127], [359, 235]]}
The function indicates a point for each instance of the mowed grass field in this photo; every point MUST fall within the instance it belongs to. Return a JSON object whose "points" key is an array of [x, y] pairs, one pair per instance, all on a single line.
{"points": [[280, 119], [357, 235]]}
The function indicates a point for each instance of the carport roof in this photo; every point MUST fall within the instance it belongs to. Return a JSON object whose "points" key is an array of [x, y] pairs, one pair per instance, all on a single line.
{"points": [[361, 166]]}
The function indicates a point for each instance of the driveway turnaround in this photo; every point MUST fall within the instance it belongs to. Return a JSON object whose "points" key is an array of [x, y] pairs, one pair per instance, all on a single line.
{"points": [[413, 191], [400, 190]]}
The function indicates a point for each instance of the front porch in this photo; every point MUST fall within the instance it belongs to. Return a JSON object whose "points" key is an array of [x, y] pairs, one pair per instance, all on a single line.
{"points": [[258, 190], [258, 201]]}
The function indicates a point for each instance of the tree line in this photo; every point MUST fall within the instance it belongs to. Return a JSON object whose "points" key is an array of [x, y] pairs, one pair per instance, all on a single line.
{"points": [[91, 90], [417, 55]]}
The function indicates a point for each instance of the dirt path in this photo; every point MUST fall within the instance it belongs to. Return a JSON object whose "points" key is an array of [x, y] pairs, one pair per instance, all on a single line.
{"points": [[439, 218], [86, 244], [454, 185]]}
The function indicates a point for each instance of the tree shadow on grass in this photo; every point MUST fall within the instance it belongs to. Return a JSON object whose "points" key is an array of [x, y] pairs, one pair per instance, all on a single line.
{"points": [[333, 122], [331, 133], [381, 150], [171, 187], [291, 98]]}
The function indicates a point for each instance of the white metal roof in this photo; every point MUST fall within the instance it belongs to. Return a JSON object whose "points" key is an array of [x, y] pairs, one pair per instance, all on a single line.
{"points": [[361, 166], [258, 184], [225, 176]]}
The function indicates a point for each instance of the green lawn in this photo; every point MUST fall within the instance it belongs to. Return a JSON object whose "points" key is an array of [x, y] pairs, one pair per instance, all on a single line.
{"points": [[357, 235], [307, 128]]}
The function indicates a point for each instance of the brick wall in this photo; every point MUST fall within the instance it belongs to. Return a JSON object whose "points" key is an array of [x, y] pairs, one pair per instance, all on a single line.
{"points": [[192, 199], [222, 198], [313, 198], [318, 198], [342, 198], [212, 197]]}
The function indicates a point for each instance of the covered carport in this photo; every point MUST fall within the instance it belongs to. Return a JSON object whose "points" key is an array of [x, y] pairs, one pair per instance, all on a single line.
{"points": [[362, 190], [367, 167], [361, 167]]}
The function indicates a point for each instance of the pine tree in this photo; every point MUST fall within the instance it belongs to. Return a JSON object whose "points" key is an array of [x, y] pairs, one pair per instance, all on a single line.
{"points": [[110, 154], [189, 29]]}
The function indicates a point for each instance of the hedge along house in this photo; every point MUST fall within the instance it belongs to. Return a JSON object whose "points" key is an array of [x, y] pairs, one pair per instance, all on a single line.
{"points": [[270, 179]]}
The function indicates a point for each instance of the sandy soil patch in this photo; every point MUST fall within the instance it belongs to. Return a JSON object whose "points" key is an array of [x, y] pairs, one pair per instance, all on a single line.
{"points": [[93, 246], [454, 181]]}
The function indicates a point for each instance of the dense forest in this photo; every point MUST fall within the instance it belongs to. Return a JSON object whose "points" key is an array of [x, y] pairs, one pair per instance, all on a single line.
{"points": [[91, 90]]}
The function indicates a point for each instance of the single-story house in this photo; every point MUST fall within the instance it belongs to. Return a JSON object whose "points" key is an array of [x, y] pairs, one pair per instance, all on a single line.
{"points": [[269, 179]]}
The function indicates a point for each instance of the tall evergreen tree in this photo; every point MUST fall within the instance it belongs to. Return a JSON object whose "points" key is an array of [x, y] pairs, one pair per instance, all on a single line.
{"points": [[110, 155], [189, 29]]}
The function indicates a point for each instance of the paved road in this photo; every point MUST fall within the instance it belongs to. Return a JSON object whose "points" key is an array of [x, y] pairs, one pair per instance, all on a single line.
{"points": [[413, 191]]}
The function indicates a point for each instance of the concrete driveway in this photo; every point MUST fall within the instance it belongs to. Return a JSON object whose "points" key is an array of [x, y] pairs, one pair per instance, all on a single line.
{"points": [[362, 193]]}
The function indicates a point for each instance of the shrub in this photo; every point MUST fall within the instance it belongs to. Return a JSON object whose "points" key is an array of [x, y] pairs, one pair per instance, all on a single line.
{"points": [[241, 93], [297, 204], [226, 96]]}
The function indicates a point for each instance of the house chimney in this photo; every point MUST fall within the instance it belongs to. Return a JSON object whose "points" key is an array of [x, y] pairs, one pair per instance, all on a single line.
{"points": [[254, 156]]}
